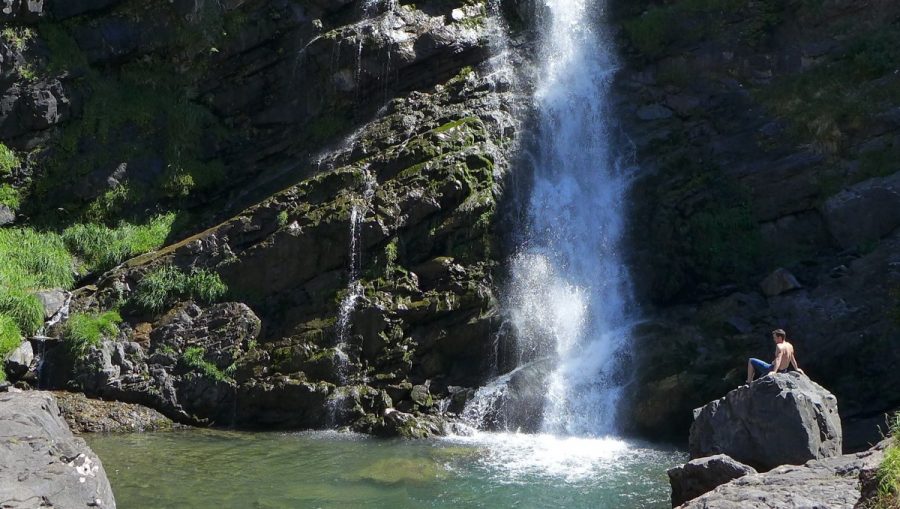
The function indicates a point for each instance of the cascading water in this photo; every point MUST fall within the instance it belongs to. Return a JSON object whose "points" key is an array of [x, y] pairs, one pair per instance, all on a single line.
{"points": [[569, 297]]}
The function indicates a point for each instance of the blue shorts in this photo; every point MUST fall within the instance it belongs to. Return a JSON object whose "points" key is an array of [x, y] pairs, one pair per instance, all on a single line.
{"points": [[762, 367]]}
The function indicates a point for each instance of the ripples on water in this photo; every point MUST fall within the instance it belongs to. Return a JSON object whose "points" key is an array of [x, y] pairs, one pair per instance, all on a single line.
{"points": [[215, 469]]}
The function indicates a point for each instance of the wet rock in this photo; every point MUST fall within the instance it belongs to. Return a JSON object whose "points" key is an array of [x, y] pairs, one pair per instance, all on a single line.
{"points": [[85, 415], [832, 482], [778, 282], [421, 396], [406, 425], [19, 361], [40, 459], [702, 475], [778, 419], [53, 301]]}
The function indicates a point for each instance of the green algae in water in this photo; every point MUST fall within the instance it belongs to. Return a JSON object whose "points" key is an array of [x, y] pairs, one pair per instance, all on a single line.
{"points": [[216, 469]]}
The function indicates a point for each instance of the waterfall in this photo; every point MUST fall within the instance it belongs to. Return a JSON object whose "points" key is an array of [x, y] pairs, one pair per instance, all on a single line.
{"points": [[568, 297], [569, 290]]}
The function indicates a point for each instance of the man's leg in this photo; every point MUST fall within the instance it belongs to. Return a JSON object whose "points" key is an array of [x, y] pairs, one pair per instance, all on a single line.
{"points": [[761, 367]]}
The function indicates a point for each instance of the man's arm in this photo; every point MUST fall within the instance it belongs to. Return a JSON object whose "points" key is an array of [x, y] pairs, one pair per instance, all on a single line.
{"points": [[794, 363], [779, 352]]}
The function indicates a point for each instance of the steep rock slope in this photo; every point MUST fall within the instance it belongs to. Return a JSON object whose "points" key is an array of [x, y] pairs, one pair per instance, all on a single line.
{"points": [[767, 133], [327, 286]]}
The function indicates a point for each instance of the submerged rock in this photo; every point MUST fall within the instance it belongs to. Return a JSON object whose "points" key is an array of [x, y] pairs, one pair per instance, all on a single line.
{"points": [[41, 463], [702, 475], [776, 420]]}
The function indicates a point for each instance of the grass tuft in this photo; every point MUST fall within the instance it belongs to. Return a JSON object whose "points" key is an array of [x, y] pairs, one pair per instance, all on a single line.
{"points": [[86, 330], [8, 160], [100, 247], [193, 357], [164, 286], [10, 339]]}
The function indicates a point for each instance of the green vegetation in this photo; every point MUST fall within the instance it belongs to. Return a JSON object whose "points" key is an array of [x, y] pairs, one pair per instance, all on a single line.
{"points": [[829, 103], [683, 21], [18, 38], [84, 331], [705, 230], [193, 357], [9, 196], [888, 496], [30, 260], [10, 339], [8, 160], [166, 285], [282, 218], [100, 247]]}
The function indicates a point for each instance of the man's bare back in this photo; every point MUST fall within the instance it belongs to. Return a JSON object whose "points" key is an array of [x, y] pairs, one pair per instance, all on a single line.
{"points": [[784, 356]]}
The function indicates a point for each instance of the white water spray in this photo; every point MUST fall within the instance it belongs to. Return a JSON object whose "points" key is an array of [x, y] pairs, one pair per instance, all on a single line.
{"points": [[569, 293]]}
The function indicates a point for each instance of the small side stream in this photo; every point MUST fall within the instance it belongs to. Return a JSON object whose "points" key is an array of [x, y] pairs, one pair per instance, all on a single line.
{"points": [[220, 469]]}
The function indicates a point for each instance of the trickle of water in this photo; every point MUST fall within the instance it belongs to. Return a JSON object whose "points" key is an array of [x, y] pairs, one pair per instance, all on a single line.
{"points": [[354, 288]]}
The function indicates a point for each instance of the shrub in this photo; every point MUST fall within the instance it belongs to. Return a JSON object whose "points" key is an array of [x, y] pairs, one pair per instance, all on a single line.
{"points": [[8, 160], [9, 196], [86, 330], [193, 358], [10, 339], [100, 247], [165, 285]]}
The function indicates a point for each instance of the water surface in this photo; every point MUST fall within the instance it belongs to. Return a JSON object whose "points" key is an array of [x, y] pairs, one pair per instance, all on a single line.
{"points": [[219, 469]]}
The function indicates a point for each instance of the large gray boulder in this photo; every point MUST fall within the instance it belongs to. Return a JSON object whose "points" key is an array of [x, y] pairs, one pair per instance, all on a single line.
{"points": [[41, 463], [778, 419], [703, 475], [831, 483]]}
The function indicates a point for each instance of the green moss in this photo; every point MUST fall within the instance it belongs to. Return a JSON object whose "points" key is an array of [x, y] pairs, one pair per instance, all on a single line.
{"points": [[83, 330], [193, 358], [17, 37], [282, 218], [100, 247], [166, 285], [10, 339]]}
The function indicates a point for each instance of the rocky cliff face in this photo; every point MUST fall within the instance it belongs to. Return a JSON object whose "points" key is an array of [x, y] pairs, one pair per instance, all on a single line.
{"points": [[330, 178], [767, 134], [347, 159]]}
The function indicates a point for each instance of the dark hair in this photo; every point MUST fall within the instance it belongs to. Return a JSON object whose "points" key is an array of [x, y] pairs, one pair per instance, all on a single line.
{"points": [[780, 333]]}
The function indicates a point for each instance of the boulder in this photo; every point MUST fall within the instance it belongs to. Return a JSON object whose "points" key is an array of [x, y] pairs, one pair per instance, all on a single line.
{"points": [[832, 483], [7, 215], [53, 301], [778, 419], [703, 475], [41, 462], [18, 362], [778, 282]]}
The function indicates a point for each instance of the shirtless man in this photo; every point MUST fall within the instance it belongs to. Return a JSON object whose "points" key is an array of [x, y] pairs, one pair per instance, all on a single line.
{"points": [[784, 358]]}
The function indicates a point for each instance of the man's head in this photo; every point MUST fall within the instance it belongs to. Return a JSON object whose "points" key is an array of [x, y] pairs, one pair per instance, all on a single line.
{"points": [[778, 335]]}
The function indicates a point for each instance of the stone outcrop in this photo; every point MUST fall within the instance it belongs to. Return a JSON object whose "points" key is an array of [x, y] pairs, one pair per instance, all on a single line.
{"points": [[41, 463], [831, 482], [778, 419], [85, 415], [703, 475]]}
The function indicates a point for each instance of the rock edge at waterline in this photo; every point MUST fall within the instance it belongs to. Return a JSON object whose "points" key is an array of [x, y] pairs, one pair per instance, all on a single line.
{"points": [[41, 463]]}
